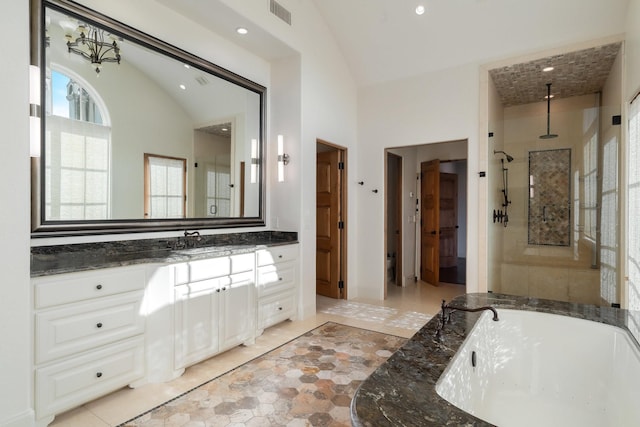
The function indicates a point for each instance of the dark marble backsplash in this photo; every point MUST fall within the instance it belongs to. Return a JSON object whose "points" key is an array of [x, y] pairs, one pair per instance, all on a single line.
{"points": [[58, 259]]}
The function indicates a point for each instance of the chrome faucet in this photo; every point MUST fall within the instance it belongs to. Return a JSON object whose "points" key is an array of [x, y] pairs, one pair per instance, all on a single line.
{"points": [[446, 318]]}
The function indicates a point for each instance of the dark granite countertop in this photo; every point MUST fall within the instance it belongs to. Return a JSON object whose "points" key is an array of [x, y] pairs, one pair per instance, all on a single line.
{"points": [[58, 259], [401, 392]]}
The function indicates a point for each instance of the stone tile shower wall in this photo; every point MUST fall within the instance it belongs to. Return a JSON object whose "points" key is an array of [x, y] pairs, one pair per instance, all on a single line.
{"points": [[550, 197]]}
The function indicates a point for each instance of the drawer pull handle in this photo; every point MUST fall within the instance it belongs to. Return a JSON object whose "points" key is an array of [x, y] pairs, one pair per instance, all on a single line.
{"points": [[99, 325], [99, 287], [99, 374]]}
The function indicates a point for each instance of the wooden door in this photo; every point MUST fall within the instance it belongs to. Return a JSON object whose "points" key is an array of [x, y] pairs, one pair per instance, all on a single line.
{"points": [[448, 220], [430, 222], [328, 224]]}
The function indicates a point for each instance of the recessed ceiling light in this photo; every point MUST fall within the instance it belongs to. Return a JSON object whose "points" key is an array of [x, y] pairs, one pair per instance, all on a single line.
{"points": [[183, 87], [241, 30], [420, 10], [547, 69]]}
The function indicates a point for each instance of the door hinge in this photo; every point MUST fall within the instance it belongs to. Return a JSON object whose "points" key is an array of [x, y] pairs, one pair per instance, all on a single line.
{"points": [[340, 284], [340, 165], [340, 225]]}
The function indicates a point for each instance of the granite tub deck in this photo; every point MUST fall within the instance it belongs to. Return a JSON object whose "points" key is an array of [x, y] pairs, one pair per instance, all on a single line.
{"points": [[46, 260], [402, 391]]}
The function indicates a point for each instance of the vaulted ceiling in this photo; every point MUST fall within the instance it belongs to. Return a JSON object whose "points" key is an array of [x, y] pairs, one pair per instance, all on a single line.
{"points": [[385, 40]]}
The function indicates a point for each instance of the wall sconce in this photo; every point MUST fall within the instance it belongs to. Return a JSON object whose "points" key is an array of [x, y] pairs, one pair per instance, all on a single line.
{"points": [[254, 161], [34, 111], [283, 158]]}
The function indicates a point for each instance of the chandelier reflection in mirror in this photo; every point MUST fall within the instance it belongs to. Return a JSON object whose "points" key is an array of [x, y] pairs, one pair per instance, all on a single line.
{"points": [[91, 43]]}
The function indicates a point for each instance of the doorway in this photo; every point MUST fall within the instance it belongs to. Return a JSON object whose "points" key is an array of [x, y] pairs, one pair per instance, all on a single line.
{"points": [[393, 220], [331, 225], [406, 163]]}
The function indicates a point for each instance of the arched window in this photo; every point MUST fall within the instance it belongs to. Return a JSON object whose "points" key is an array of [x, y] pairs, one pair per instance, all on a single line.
{"points": [[78, 147]]}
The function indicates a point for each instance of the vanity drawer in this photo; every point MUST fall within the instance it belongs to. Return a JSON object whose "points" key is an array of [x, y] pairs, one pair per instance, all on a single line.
{"points": [[242, 262], [64, 385], [209, 268], [276, 308], [73, 287], [79, 327], [277, 254], [275, 278]]}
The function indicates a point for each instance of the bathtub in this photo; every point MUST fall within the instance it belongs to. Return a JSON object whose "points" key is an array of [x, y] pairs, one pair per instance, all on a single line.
{"points": [[536, 369]]}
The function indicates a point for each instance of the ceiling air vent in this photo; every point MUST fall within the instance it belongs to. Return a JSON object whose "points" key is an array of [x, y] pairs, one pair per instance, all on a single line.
{"points": [[279, 10]]}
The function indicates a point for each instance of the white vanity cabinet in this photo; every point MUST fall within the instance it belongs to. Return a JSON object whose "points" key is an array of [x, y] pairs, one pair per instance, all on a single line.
{"points": [[276, 285], [88, 336], [214, 306], [98, 331]]}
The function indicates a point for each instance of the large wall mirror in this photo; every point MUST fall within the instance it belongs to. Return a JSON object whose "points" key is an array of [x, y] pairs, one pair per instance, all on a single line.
{"points": [[139, 135]]}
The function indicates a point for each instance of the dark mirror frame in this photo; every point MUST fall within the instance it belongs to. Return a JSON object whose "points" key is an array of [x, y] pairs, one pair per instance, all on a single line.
{"points": [[40, 227]]}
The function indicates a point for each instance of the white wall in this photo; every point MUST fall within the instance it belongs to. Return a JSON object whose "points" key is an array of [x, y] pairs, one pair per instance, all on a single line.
{"points": [[632, 48], [15, 322], [436, 107]]}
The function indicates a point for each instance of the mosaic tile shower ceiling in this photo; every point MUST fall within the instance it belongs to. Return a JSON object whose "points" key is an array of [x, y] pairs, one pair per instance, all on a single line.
{"points": [[576, 73], [550, 197], [309, 381]]}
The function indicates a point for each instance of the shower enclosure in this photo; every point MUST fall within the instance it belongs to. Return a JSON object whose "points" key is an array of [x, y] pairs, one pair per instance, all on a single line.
{"points": [[561, 242]]}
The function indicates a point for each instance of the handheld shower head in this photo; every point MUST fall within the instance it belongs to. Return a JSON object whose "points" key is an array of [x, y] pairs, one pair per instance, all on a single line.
{"points": [[509, 158]]}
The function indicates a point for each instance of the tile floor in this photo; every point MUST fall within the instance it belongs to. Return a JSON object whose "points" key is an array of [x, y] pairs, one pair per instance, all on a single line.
{"points": [[404, 311], [309, 381]]}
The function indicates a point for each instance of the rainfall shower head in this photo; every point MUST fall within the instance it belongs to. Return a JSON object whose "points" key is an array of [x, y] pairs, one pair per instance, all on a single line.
{"points": [[509, 158], [548, 135]]}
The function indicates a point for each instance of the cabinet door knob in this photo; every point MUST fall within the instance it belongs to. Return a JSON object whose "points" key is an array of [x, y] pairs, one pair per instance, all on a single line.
{"points": [[280, 278], [98, 374], [99, 287], [279, 256], [224, 289], [99, 325], [280, 308], [217, 290]]}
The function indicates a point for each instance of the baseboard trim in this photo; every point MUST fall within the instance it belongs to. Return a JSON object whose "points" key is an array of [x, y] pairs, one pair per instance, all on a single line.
{"points": [[23, 419]]}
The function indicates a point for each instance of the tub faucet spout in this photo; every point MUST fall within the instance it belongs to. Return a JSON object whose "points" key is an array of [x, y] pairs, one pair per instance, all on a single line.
{"points": [[447, 310]]}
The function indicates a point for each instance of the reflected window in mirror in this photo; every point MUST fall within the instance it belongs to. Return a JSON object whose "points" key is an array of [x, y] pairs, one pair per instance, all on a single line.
{"points": [[77, 150]]}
